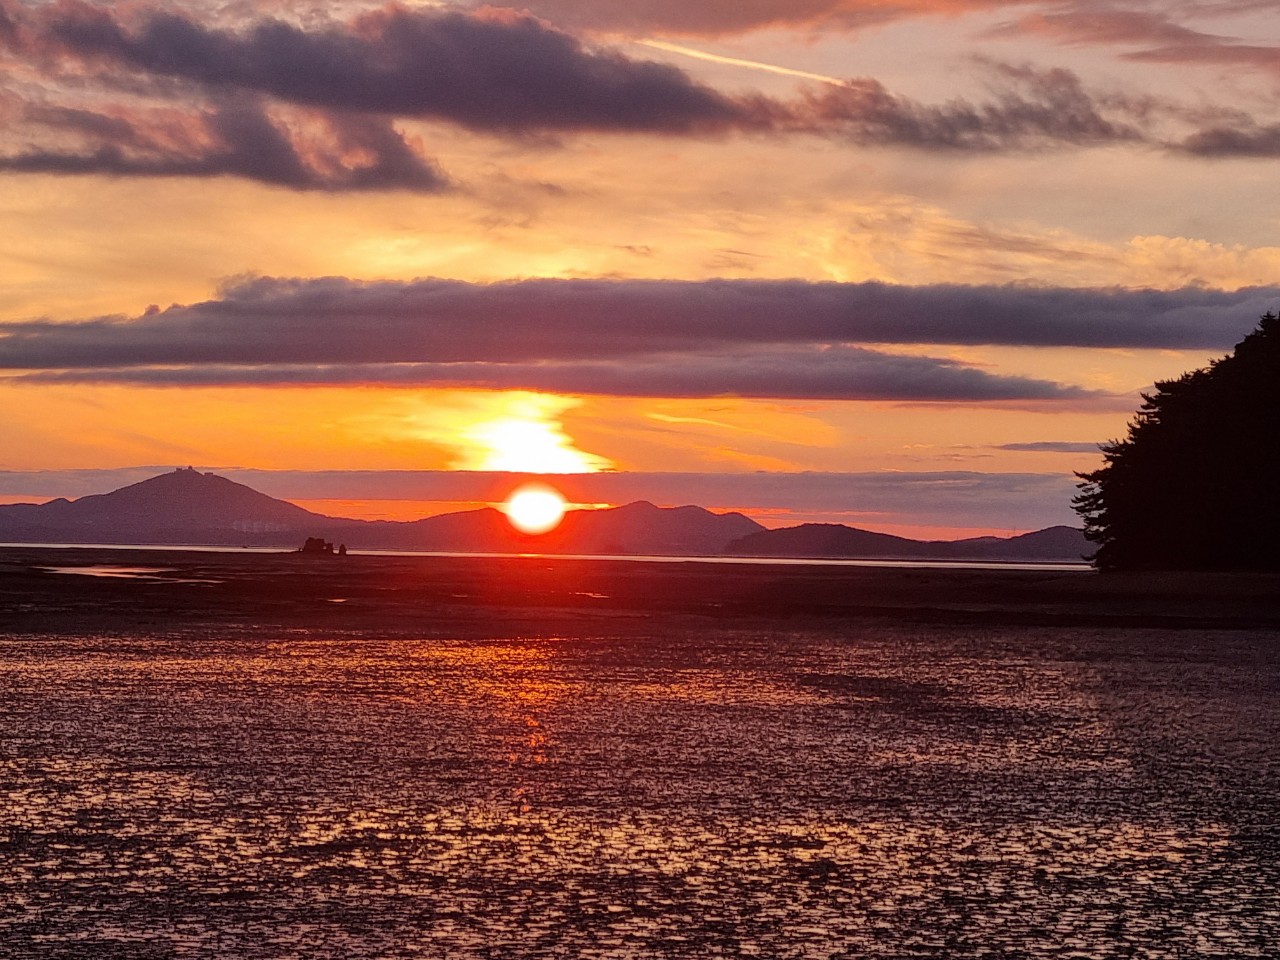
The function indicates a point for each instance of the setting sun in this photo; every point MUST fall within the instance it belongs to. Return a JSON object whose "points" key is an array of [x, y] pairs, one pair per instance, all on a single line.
{"points": [[535, 509]]}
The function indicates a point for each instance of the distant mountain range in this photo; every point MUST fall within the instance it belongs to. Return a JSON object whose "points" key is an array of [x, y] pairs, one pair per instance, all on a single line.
{"points": [[836, 540], [193, 508], [189, 507]]}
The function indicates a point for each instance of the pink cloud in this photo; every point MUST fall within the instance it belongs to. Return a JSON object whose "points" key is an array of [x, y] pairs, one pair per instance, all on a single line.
{"points": [[723, 17], [1163, 39]]}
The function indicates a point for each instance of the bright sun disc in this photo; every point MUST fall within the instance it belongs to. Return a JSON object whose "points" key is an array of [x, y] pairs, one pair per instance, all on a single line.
{"points": [[534, 509]]}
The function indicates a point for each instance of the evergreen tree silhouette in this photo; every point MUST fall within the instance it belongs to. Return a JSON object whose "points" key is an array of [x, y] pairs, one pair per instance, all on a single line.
{"points": [[1194, 485]]}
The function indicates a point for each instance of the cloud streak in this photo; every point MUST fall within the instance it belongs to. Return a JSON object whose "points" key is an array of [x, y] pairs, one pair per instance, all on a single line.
{"points": [[1051, 446], [834, 373], [1087, 26], [336, 320], [1159, 38]]}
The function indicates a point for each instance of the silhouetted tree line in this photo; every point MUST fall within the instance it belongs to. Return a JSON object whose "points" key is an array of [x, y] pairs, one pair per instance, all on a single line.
{"points": [[1196, 483]]}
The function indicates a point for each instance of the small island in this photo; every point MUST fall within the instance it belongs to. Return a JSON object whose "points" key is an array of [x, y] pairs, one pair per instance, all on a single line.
{"points": [[319, 546]]}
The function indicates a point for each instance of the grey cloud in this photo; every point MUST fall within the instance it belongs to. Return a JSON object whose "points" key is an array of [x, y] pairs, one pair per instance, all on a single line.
{"points": [[499, 71], [1051, 446], [337, 321], [236, 138], [1029, 108], [836, 373], [509, 74], [1243, 140]]}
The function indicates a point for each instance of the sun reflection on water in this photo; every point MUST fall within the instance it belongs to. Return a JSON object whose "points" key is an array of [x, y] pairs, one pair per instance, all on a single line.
{"points": [[699, 792]]}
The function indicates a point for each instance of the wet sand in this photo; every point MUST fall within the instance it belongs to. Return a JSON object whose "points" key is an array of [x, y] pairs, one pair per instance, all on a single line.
{"points": [[387, 593], [268, 757]]}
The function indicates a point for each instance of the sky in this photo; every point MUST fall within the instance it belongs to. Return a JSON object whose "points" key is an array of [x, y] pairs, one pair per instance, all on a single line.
{"points": [[901, 264]]}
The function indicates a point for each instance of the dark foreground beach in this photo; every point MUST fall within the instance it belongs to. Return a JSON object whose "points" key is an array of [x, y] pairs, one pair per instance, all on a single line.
{"points": [[175, 590], [234, 755]]}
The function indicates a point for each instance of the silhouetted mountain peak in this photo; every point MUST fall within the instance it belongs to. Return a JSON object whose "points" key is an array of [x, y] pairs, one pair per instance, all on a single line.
{"points": [[186, 495], [187, 506], [637, 506]]}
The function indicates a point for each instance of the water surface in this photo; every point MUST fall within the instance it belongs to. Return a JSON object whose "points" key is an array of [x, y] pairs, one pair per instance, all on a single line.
{"points": [[642, 789]]}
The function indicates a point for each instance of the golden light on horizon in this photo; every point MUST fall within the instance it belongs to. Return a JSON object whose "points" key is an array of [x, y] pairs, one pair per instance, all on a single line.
{"points": [[535, 508], [529, 438]]}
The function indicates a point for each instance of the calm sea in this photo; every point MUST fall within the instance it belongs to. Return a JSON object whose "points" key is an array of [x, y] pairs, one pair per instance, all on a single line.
{"points": [[641, 789]]}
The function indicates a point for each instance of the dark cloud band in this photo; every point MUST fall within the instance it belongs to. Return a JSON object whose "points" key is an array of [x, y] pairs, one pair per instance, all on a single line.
{"points": [[499, 71], [236, 137], [749, 338], [816, 374], [335, 320]]}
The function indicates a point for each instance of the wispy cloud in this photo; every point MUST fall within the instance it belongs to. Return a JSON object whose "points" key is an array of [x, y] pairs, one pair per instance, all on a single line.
{"points": [[1051, 446], [1158, 37], [237, 136], [238, 96], [1030, 109], [712, 18], [832, 373], [1091, 26]]}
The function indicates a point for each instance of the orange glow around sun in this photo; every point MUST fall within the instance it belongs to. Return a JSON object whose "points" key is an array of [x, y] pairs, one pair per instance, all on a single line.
{"points": [[528, 437], [535, 508]]}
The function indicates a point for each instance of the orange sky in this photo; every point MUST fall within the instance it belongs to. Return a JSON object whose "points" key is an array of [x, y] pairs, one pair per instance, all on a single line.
{"points": [[839, 142]]}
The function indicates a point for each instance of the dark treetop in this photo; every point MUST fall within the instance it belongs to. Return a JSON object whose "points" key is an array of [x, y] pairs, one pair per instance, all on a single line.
{"points": [[1193, 485]]}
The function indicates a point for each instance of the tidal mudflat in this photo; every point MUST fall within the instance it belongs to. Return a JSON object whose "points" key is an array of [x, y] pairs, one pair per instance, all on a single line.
{"points": [[616, 781]]}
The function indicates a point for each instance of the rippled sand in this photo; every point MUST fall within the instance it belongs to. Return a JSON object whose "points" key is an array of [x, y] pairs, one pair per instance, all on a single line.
{"points": [[637, 790]]}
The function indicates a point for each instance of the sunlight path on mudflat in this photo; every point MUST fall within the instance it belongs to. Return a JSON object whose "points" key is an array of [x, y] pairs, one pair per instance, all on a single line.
{"points": [[888, 790]]}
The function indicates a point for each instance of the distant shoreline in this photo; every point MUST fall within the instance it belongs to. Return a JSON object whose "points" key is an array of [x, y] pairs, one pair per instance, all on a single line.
{"points": [[188, 507], [891, 562], [239, 592]]}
